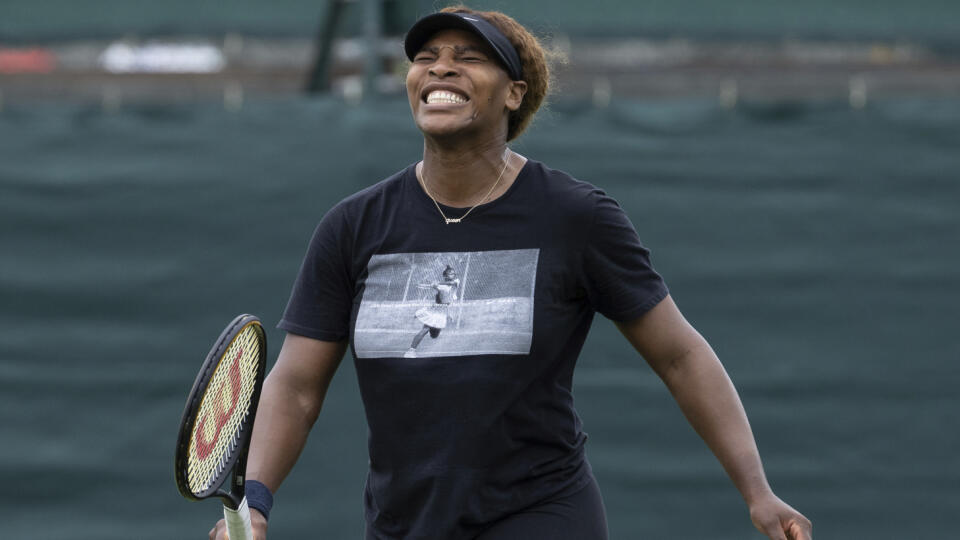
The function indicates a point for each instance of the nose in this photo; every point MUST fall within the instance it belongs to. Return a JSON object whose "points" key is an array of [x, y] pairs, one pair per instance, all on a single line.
{"points": [[442, 71], [444, 65]]}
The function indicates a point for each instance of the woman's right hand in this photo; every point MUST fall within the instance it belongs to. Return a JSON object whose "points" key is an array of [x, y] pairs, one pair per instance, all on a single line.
{"points": [[259, 523]]}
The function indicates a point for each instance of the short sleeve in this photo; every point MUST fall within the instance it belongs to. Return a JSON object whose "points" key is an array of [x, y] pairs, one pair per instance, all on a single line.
{"points": [[322, 296], [620, 281]]}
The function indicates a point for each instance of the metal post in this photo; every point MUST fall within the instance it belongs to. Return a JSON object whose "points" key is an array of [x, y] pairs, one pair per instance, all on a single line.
{"points": [[372, 37], [319, 78]]}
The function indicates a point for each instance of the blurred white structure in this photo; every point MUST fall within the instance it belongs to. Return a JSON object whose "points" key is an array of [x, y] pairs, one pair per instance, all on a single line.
{"points": [[120, 57]]}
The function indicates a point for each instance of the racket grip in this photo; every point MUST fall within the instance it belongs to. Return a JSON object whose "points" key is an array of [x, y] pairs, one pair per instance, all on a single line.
{"points": [[238, 522]]}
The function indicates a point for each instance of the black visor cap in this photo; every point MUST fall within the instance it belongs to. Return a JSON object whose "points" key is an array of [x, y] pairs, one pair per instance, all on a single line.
{"points": [[425, 28]]}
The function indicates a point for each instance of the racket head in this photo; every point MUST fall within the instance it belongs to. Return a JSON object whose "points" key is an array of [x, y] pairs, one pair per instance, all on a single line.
{"points": [[218, 417]]}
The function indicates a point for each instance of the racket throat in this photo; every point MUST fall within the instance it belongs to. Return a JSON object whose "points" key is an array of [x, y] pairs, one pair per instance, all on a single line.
{"points": [[229, 500], [234, 496]]}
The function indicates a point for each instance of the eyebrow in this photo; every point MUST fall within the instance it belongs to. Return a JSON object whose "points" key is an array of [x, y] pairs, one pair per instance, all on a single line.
{"points": [[457, 49]]}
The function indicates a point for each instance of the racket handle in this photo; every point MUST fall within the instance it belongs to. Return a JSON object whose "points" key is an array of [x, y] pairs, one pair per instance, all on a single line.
{"points": [[238, 522]]}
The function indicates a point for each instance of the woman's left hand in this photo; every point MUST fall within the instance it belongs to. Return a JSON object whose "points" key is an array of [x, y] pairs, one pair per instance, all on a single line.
{"points": [[780, 521]]}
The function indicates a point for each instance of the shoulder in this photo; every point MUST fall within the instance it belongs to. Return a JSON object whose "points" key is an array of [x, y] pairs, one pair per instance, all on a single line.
{"points": [[372, 197], [564, 192], [339, 223], [367, 205]]}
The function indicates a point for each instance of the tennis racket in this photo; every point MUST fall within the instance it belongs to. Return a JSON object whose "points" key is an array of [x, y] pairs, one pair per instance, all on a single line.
{"points": [[218, 419]]}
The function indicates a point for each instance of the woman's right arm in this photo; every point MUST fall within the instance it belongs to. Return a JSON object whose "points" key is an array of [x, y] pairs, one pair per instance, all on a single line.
{"points": [[292, 396]]}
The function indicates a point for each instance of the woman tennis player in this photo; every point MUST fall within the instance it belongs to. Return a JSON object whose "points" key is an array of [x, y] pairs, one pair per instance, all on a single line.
{"points": [[484, 443], [434, 317]]}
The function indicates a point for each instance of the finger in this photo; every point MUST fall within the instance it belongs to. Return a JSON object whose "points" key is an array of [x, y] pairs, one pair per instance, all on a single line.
{"points": [[775, 534], [774, 530], [800, 529], [219, 531]]}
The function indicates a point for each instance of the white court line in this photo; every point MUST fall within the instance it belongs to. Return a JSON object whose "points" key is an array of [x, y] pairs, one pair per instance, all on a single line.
{"points": [[452, 331], [394, 353]]}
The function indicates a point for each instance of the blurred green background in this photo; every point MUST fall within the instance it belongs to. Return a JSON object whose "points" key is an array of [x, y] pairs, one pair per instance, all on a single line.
{"points": [[812, 243], [876, 19]]}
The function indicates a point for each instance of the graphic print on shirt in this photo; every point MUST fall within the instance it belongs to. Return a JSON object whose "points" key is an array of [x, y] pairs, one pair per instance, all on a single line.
{"points": [[418, 305]]}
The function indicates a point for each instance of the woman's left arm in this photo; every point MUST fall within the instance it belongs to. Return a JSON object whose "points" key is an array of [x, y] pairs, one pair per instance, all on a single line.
{"points": [[683, 359]]}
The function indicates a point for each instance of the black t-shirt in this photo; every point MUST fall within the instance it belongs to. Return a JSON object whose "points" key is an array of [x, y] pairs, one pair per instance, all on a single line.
{"points": [[465, 338]]}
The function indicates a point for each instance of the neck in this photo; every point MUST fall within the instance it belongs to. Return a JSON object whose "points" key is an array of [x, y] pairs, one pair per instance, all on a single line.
{"points": [[462, 176]]}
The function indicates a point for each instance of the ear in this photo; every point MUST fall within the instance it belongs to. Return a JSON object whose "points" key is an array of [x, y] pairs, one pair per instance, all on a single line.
{"points": [[515, 94]]}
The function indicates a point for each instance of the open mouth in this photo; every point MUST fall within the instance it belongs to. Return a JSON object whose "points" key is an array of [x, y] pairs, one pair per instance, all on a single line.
{"points": [[445, 97]]}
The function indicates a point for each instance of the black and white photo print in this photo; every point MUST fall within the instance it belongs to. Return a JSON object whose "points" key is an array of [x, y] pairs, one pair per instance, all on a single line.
{"points": [[418, 305]]}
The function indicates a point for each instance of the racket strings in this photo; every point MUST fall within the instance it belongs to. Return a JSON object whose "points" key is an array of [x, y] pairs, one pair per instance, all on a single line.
{"points": [[223, 410]]}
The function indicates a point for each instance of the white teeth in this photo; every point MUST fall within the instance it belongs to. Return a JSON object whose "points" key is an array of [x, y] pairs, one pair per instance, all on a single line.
{"points": [[442, 96]]}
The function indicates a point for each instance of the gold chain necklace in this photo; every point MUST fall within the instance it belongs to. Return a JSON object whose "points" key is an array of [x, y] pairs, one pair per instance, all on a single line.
{"points": [[447, 220]]}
